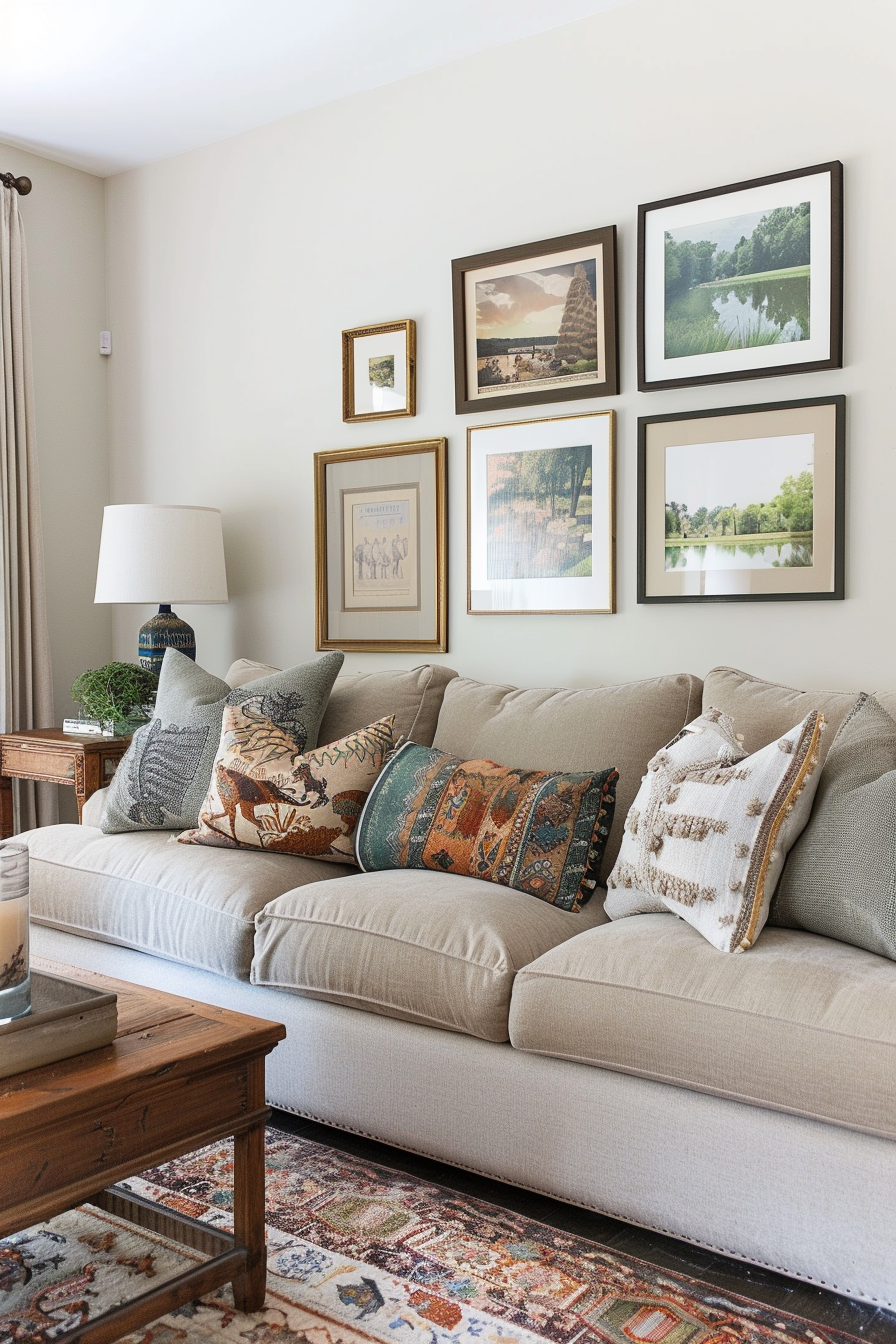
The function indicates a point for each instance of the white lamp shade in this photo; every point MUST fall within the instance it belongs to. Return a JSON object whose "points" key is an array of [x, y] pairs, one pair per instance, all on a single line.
{"points": [[161, 553]]}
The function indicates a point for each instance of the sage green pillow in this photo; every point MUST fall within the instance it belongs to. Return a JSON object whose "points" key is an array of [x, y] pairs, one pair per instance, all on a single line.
{"points": [[164, 776], [840, 876]]}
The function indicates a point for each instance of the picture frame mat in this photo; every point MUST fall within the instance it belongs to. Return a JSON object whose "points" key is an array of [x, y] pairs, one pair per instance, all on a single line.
{"points": [[743, 425], [502, 269], [379, 345], [594, 594]]}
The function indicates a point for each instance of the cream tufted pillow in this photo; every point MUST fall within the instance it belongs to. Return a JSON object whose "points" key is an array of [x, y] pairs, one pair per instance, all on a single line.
{"points": [[709, 830]]}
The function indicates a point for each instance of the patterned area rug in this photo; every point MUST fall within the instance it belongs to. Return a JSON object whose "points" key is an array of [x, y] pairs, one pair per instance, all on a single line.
{"points": [[357, 1252]]}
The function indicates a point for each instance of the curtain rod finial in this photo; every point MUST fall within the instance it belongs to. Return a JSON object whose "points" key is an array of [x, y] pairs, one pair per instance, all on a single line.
{"points": [[21, 184]]}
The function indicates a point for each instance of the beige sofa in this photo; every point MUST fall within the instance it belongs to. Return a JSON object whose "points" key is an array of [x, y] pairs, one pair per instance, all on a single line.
{"points": [[744, 1103]]}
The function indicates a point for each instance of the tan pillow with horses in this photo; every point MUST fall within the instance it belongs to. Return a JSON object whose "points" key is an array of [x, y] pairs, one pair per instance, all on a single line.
{"points": [[264, 794]]}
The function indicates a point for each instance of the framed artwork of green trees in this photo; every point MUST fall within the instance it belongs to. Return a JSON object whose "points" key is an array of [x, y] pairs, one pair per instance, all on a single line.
{"points": [[742, 504], [743, 281], [540, 516]]}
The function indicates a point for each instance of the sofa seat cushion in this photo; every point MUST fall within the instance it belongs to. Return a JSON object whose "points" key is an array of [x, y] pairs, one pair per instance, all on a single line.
{"points": [[144, 890], [578, 730], [427, 947], [803, 1024]]}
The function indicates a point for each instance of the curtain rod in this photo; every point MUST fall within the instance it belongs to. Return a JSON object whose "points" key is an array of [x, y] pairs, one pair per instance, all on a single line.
{"points": [[21, 184]]}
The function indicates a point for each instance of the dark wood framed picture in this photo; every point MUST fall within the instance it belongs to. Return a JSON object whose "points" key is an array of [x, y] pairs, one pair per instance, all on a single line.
{"points": [[379, 371], [536, 323], [541, 533], [381, 548], [743, 281], [744, 504]]}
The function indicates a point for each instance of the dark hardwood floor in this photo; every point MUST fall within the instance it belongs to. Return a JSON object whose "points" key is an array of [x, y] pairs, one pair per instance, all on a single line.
{"points": [[815, 1304]]}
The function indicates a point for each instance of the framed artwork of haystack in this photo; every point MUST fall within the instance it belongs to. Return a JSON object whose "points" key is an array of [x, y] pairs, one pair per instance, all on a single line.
{"points": [[536, 323]]}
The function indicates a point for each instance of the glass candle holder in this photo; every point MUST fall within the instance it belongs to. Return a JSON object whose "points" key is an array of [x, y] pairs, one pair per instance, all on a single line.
{"points": [[15, 974]]}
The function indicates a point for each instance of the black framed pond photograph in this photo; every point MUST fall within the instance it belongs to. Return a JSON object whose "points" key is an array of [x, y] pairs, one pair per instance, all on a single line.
{"points": [[536, 323], [744, 504], [744, 281], [541, 530], [381, 548], [379, 376]]}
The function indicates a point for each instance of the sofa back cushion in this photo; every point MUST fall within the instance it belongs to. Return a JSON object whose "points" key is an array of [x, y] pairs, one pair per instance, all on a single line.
{"points": [[570, 730], [763, 710], [840, 879], [413, 695]]}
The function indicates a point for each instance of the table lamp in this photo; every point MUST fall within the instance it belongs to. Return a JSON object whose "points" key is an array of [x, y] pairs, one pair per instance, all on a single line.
{"points": [[162, 553]]}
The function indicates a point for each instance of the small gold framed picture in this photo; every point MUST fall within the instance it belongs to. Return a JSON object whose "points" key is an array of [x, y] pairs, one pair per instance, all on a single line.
{"points": [[379, 375]]}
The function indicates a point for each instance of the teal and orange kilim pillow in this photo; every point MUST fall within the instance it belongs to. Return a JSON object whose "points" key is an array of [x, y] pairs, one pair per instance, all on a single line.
{"points": [[541, 833]]}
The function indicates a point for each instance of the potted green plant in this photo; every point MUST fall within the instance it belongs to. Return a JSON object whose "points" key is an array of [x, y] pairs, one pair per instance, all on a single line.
{"points": [[117, 695]]}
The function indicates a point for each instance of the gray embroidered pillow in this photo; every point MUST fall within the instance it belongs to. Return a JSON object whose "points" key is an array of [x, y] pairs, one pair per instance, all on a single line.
{"points": [[164, 776], [840, 878]]}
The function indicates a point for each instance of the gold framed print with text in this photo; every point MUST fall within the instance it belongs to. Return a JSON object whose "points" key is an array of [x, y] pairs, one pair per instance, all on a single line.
{"points": [[381, 548]]}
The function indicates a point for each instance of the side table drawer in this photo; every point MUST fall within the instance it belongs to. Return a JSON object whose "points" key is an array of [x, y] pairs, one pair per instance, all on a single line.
{"points": [[20, 760]]}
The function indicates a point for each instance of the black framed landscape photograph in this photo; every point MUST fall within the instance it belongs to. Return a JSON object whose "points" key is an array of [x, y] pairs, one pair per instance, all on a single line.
{"points": [[379, 371], [541, 516], [536, 323], [744, 281], [742, 504], [381, 548]]}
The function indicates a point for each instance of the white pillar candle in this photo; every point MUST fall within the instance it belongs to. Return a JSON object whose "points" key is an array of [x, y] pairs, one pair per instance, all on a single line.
{"points": [[13, 941], [13, 916]]}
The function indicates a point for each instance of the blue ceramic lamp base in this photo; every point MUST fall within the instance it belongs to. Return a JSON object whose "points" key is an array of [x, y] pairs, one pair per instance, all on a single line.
{"points": [[164, 631]]}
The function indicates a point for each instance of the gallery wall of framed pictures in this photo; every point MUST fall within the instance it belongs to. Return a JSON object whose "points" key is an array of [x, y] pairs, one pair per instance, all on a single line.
{"points": [[734, 504]]}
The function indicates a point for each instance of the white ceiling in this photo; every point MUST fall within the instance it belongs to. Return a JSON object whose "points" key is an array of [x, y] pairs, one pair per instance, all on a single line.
{"points": [[108, 84]]}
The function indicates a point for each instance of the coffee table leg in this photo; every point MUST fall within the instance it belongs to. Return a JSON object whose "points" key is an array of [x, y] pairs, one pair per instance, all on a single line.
{"points": [[248, 1218]]}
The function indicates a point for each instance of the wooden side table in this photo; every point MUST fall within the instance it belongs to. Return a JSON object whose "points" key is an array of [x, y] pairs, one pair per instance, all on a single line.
{"points": [[55, 757]]}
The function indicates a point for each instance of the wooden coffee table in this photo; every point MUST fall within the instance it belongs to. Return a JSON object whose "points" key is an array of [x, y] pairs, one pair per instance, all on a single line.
{"points": [[177, 1076]]}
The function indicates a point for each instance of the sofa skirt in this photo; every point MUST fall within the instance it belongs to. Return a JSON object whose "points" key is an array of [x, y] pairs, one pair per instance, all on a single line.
{"points": [[808, 1199]]}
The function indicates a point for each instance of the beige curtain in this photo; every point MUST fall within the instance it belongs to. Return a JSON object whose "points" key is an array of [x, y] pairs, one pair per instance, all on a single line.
{"points": [[26, 686]]}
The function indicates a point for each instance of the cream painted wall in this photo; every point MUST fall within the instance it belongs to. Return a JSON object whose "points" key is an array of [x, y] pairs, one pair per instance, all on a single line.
{"points": [[64, 219], [233, 269]]}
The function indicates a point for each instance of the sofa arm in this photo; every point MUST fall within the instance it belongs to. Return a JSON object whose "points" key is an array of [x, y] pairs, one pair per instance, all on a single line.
{"points": [[92, 811]]}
